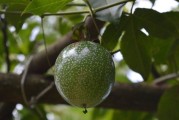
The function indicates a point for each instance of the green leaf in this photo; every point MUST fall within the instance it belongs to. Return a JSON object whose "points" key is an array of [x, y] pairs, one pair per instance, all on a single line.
{"points": [[16, 20], [13, 1], [132, 115], [174, 57], [111, 35], [109, 40], [100, 113], [173, 17], [155, 23], [39, 7], [168, 106], [161, 49], [134, 46], [111, 14]]}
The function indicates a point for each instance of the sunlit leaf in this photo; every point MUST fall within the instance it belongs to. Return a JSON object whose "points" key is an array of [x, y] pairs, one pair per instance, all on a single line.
{"points": [[39, 7], [110, 14], [100, 113], [168, 106], [132, 115]]}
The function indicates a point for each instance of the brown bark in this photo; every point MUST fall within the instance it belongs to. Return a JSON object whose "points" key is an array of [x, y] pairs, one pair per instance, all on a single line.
{"points": [[123, 96], [6, 108]]}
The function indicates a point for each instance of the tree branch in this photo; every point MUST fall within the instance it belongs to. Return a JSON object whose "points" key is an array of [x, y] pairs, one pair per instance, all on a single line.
{"points": [[123, 96]]}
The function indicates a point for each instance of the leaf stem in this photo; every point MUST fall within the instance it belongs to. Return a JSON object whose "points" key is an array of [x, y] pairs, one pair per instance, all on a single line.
{"points": [[165, 78], [132, 6], [10, 12], [111, 5], [5, 42], [24, 76], [66, 13], [72, 12], [44, 39], [92, 15]]}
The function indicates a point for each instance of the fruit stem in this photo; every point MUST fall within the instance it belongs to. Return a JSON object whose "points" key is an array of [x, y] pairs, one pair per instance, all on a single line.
{"points": [[85, 110], [111, 5]]}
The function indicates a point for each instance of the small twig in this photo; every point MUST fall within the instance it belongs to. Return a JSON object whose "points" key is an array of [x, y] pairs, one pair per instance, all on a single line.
{"points": [[5, 42], [34, 100], [112, 53], [76, 4], [132, 6], [10, 12], [165, 78], [66, 13], [44, 39], [154, 72], [24, 75], [92, 15], [42, 93], [111, 5]]}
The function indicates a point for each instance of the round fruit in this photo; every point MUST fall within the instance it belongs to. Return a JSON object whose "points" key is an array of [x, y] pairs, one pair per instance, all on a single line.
{"points": [[84, 74]]}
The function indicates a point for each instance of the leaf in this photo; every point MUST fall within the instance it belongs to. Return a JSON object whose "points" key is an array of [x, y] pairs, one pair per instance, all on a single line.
{"points": [[132, 115], [155, 23], [168, 106], [111, 35], [161, 49], [173, 18], [13, 1], [39, 7], [111, 14], [174, 57], [16, 20], [98, 113], [134, 47]]}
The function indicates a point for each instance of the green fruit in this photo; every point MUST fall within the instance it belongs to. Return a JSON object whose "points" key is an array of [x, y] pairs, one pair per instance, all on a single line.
{"points": [[84, 74]]}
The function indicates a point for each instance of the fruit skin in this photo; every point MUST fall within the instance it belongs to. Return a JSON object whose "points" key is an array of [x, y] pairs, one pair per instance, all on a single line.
{"points": [[84, 74]]}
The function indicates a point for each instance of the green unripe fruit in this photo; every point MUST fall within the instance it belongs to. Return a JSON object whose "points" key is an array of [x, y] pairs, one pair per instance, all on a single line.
{"points": [[84, 74]]}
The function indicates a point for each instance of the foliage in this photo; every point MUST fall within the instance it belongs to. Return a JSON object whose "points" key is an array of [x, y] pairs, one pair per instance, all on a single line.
{"points": [[147, 39], [169, 111]]}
